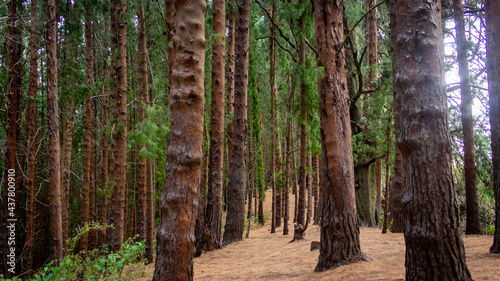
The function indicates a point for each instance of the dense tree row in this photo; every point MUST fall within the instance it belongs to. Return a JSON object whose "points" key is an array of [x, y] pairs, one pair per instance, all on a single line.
{"points": [[179, 115]]}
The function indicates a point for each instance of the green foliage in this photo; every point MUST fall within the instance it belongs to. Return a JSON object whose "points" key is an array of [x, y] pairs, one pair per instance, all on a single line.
{"points": [[98, 264]]}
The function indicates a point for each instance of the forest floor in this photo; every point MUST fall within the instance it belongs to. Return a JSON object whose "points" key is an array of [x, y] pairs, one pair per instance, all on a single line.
{"points": [[266, 256]]}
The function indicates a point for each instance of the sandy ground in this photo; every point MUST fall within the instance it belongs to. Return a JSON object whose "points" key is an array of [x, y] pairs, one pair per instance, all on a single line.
{"points": [[266, 256]]}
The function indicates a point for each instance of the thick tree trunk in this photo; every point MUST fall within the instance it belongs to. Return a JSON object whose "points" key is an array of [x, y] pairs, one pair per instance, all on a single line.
{"points": [[14, 87], [434, 247], [470, 174], [31, 121], [53, 125], [215, 180], [175, 237], [493, 64], [236, 204], [230, 64], [339, 230], [119, 122], [87, 157], [142, 79]]}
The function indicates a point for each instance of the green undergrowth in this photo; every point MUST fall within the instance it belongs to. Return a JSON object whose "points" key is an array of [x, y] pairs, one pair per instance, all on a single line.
{"points": [[97, 264]]}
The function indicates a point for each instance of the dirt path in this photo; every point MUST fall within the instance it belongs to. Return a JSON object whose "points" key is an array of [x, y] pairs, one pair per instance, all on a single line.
{"points": [[266, 256]]}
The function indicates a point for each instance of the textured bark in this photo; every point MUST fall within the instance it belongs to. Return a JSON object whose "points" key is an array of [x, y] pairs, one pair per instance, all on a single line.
{"points": [[53, 125], [87, 156], [142, 79], [397, 185], [339, 230], [470, 174], [493, 64], [272, 84], [119, 123], [67, 124], [13, 99], [235, 220], [434, 247], [303, 133], [286, 207], [215, 180], [230, 63], [179, 202], [31, 121]]}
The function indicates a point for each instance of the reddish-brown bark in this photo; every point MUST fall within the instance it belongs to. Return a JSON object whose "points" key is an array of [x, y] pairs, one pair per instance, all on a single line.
{"points": [[118, 122], [493, 64], [230, 87], [13, 99], [87, 156], [339, 229], [303, 133], [31, 121], [235, 220], [434, 247], [175, 237], [142, 80], [103, 211], [213, 214], [53, 135]]}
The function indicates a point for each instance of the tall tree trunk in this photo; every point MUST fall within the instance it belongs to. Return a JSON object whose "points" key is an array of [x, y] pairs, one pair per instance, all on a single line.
{"points": [[493, 64], [150, 200], [236, 204], [53, 125], [303, 130], [87, 157], [230, 64], [142, 79], [339, 243], [274, 123], [105, 141], [397, 183], [434, 247], [14, 87], [31, 121], [215, 180], [470, 174], [119, 122], [175, 237]]}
